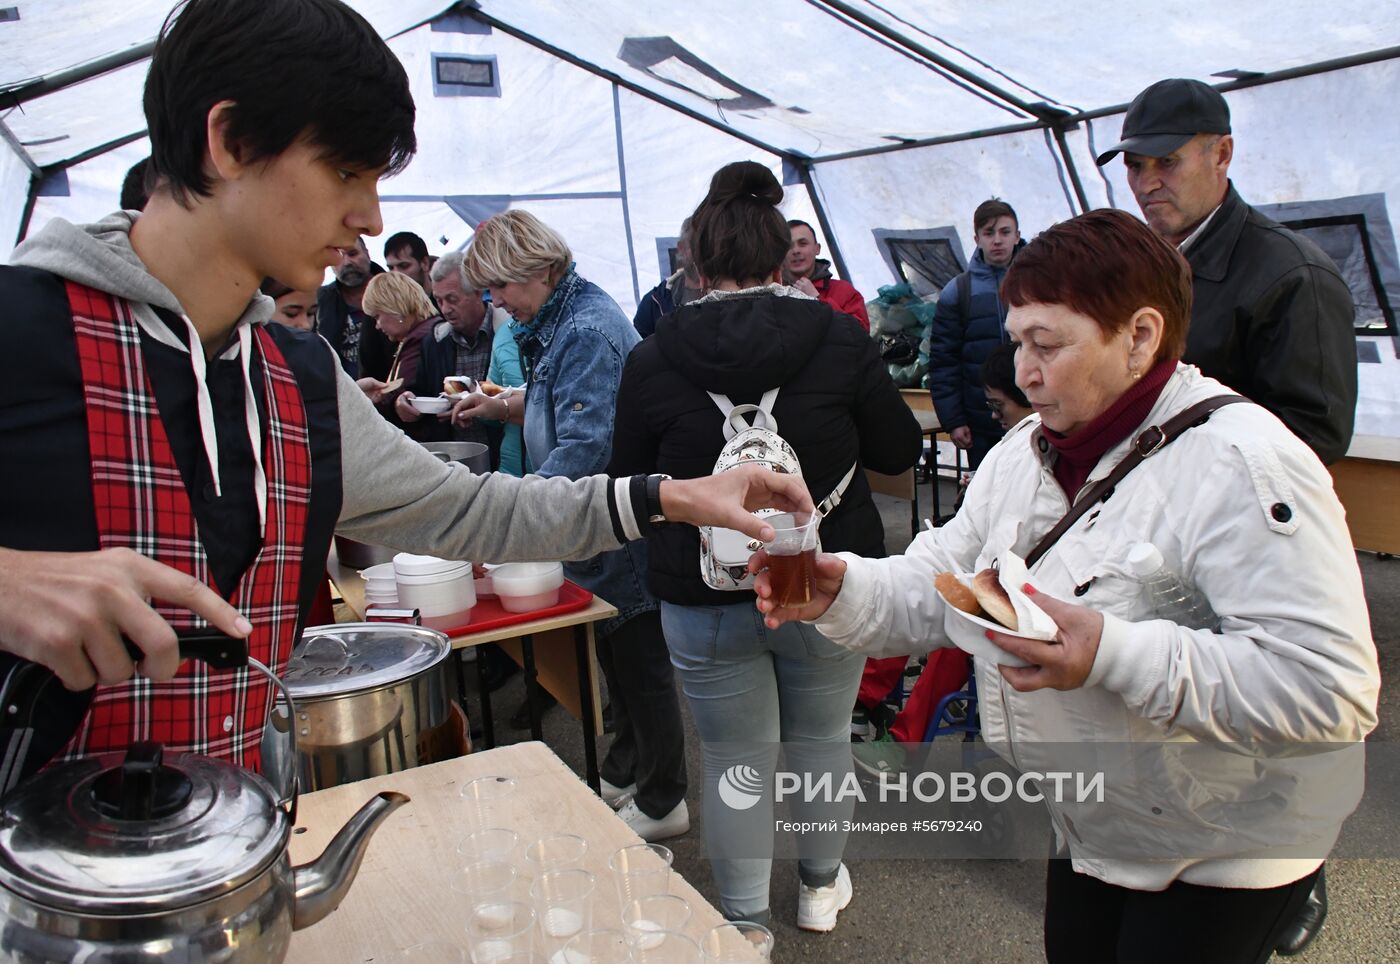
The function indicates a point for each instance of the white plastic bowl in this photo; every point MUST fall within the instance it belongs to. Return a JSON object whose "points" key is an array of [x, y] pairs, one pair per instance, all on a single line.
{"points": [[430, 404], [523, 587]]}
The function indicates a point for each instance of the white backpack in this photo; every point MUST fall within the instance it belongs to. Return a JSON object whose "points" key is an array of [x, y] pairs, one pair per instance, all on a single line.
{"points": [[724, 553]]}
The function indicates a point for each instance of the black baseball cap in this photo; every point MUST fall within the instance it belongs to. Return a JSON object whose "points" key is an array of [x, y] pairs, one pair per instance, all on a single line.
{"points": [[1167, 115]]}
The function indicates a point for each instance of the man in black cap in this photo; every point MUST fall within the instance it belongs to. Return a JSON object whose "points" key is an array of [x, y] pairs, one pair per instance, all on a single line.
{"points": [[1272, 317]]}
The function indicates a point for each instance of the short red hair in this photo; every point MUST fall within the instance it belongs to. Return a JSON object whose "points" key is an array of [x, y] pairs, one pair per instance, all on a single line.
{"points": [[1105, 265]]}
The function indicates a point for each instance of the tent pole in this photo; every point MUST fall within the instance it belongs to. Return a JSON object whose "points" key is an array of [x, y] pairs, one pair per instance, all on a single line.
{"points": [[9, 138], [930, 142], [1291, 73], [76, 75], [1060, 141], [620, 81], [976, 80], [28, 209], [92, 152], [805, 166]]}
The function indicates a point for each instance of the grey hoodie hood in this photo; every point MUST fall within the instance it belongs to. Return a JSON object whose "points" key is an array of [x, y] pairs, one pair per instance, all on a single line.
{"points": [[100, 256]]}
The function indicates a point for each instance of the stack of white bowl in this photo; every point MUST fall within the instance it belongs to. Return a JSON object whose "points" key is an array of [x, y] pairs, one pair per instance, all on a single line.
{"points": [[440, 589], [381, 587]]}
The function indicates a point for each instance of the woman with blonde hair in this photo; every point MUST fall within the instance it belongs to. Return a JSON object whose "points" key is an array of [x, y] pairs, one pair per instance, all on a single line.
{"points": [[404, 314], [573, 342]]}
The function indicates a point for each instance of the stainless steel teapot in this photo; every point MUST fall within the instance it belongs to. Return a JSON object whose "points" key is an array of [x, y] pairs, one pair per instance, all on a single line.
{"points": [[144, 857]]}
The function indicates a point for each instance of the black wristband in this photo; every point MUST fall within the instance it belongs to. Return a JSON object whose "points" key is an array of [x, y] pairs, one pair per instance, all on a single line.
{"points": [[654, 514]]}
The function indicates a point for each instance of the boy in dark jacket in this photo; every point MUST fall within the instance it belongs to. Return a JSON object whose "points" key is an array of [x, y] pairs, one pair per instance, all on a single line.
{"points": [[969, 323]]}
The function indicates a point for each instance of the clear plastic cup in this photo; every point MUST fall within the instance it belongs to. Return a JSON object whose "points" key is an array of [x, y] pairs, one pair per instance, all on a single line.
{"points": [[487, 883], [490, 845], [595, 947], [501, 930], [641, 870], [665, 947], [792, 557], [487, 801], [563, 903], [643, 919], [555, 852], [736, 941]]}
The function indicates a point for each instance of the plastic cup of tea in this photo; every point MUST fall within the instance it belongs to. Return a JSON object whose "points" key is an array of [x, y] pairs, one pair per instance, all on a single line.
{"points": [[555, 852], [792, 557], [597, 947], [501, 930], [646, 918], [736, 941], [487, 801], [563, 903], [491, 845], [641, 870]]}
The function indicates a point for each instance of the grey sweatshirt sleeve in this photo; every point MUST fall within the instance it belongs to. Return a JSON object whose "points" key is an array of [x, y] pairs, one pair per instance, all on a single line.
{"points": [[396, 494]]}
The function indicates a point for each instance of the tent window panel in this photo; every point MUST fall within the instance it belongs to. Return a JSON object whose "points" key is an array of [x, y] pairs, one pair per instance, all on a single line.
{"points": [[926, 264], [1346, 241], [458, 75]]}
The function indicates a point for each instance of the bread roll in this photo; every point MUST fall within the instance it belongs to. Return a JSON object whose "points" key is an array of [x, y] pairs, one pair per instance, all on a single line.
{"points": [[951, 588], [489, 387], [451, 387], [994, 599]]}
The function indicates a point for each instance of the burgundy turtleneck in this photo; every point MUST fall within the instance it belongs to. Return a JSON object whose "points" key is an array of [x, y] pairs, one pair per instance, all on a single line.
{"points": [[1080, 452]]}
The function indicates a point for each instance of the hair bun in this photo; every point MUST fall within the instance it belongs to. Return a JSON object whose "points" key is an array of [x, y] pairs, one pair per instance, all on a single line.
{"points": [[745, 180]]}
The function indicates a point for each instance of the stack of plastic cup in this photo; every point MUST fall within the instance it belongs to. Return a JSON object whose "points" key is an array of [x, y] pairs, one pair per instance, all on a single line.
{"points": [[381, 586]]}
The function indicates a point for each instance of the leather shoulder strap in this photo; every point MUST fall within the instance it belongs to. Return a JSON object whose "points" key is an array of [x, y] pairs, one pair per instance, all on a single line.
{"points": [[1149, 441]]}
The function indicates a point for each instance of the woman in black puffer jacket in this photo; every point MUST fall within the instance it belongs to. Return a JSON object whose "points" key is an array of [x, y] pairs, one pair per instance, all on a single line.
{"points": [[836, 407]]}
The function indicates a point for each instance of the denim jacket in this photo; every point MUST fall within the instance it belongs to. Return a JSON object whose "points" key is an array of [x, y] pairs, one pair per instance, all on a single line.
{"points": [[573, 351]]}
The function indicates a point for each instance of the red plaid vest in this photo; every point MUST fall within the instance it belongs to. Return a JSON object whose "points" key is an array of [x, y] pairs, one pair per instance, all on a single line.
{"points": [[142, 504]]}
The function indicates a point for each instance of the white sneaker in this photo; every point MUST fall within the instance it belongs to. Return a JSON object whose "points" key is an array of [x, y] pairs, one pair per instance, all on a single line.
{"points": [[817, 907], [651, 830], [615, 796]]}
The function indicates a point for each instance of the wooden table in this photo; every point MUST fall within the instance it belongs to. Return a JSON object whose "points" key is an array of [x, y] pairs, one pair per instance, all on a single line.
{"points": [[541, 646], [1367, 481], [403, 892]]}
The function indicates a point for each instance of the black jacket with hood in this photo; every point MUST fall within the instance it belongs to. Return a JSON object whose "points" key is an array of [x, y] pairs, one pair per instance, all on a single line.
{"points": [[836, 406]]}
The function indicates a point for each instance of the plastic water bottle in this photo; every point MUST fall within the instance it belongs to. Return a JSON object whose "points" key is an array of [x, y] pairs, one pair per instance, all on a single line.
{"points": [[1169, 597]]}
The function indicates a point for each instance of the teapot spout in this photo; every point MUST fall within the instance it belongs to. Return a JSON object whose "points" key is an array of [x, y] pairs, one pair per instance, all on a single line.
{"points": [[321, 885]]}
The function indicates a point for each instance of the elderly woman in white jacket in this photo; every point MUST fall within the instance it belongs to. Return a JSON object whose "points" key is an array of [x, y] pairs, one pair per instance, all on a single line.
{"points": [[1240, 742]]}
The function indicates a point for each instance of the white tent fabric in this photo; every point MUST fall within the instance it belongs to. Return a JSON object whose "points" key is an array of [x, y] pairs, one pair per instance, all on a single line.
{"points": [[608, 119]]}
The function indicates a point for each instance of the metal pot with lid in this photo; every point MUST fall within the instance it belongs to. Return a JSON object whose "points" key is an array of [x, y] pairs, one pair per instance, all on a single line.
{"points": [[371, 699], [145, 856]]}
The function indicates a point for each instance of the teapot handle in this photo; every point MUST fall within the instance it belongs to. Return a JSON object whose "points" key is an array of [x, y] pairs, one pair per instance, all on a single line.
{"points": [[221, 651], [288, 802]]}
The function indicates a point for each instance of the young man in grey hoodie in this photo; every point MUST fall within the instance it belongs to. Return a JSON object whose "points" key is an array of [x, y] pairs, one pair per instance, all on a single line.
{"points": [[175, 461]]}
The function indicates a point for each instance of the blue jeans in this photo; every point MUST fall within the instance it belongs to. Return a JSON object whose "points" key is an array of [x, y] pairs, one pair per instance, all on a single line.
{"points": [[751, 688]]}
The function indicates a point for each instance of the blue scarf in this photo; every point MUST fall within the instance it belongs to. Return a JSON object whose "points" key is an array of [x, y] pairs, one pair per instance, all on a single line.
{"points": [[533, 335]]}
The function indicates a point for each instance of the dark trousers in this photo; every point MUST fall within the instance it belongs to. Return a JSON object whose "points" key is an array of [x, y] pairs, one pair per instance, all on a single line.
{"points": [[648, 739], [1090, 922]]}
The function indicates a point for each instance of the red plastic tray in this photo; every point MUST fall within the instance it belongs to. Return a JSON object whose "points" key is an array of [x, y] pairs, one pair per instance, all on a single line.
{"points": [[488, 614]]}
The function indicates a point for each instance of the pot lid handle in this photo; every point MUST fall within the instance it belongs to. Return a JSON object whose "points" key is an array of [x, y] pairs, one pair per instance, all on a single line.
{"points": [[142, 788]]}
